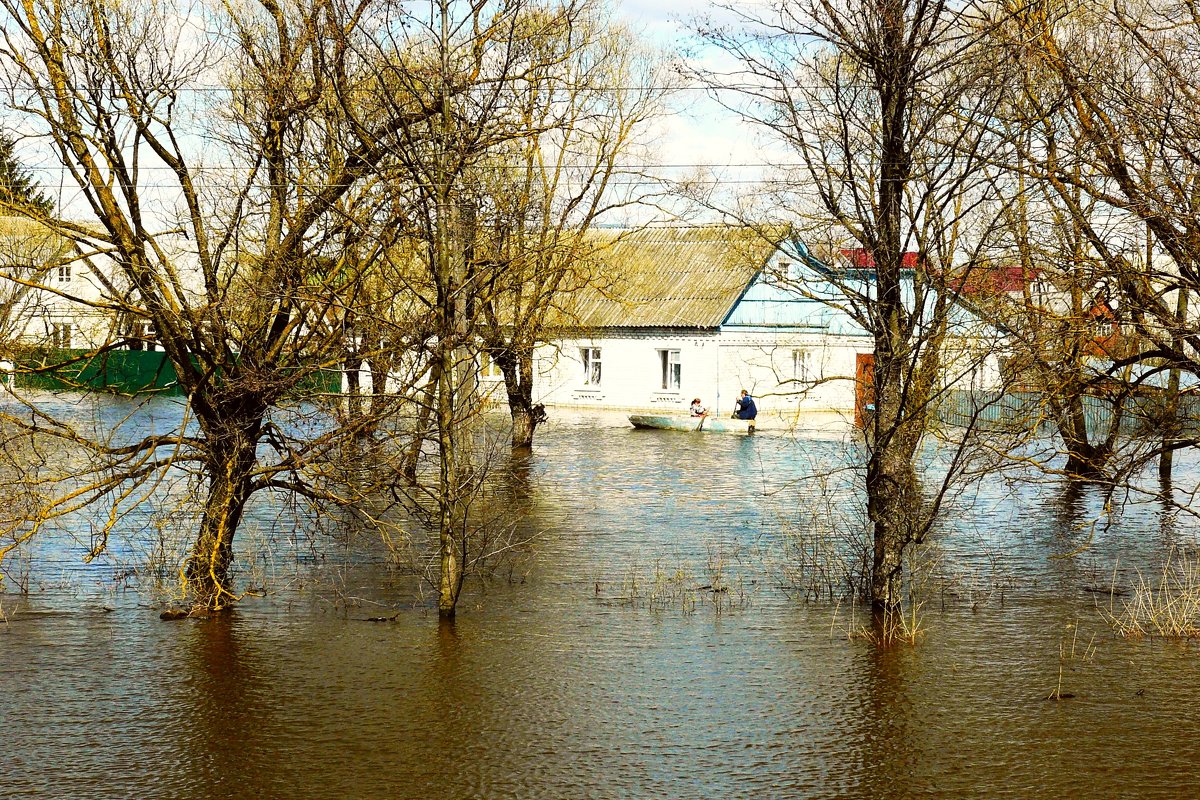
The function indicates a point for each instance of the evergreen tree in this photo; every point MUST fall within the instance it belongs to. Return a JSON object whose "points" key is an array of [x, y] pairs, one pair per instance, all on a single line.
{"points": [[18, 189]]}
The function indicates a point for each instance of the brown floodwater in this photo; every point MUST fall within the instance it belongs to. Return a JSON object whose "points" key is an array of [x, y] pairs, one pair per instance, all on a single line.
{"points": [[595, 667]]}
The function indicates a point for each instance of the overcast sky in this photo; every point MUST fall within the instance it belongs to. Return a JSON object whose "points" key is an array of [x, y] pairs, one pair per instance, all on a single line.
{"points": [[699, 135]]}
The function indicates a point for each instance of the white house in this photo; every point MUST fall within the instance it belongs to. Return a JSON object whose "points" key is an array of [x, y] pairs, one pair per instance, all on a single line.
{"points": [[45, 291], [685, 312], [707, 311], [56, 294]]}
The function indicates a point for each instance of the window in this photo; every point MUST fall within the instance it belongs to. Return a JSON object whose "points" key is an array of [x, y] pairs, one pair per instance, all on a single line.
{"points": [[802, 371], [142, 336], [590, 356], [60, 334], [671, 370], [489, 370], [63, 273]]}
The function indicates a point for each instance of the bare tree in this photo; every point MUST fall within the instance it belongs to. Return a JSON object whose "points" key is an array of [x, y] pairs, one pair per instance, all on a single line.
{"points": [[1067, 329], [875, 98], [1106, 107], [210, 149], [585, 114], [448, 187]]}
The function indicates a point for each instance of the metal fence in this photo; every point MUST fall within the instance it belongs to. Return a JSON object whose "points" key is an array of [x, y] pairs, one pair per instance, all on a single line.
{"points": [[1142, 415], [128, 372]]}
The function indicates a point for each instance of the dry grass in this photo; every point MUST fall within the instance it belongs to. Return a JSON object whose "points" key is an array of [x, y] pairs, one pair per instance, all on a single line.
{"points": [[1168, 607], [680, 584], [1069, 659], [899, 626]]}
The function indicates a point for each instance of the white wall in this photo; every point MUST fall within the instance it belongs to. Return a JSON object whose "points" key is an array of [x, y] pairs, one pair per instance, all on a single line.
{"points": [[631, 371], [764, 364], [42, 311], [714, 367], [75, 279]]}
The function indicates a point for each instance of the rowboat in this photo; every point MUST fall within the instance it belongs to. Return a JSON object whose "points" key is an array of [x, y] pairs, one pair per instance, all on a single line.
{"points": [[675, 422]]}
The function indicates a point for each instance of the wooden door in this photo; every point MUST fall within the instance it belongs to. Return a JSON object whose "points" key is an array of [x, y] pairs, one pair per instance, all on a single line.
{"points": [[864, 387]]}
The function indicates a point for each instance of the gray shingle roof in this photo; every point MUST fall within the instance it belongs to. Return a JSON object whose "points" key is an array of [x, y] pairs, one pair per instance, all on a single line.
{"points": [[670, 277]]}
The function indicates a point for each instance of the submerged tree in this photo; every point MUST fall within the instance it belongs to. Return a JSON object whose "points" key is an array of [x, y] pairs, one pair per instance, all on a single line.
{"points": [[1105, 100], [875, 98], [210, 150], [481, 194], [1068, 334], [584, 114]]}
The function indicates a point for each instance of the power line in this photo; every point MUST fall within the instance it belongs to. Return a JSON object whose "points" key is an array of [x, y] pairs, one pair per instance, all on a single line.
{"points": [[164, 92], [619, 168]]}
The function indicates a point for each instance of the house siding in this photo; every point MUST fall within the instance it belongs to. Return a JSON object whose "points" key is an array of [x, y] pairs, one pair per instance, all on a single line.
{"points": [[631, 375], [715, 366]]}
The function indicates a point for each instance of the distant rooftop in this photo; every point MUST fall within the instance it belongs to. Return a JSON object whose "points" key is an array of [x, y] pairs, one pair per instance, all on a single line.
{"points": [[672, 277]]}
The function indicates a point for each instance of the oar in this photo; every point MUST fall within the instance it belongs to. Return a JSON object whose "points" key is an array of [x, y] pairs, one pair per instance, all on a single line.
{"points": [[700, 427]]}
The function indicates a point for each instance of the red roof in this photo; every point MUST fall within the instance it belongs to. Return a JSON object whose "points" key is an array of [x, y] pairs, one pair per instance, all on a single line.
{"points": [[984, 280], [998, 279], [863, 259]]}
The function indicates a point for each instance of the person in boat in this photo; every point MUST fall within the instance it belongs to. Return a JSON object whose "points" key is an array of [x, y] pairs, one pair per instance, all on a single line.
{"points": [[698, 409], [744, 408]]}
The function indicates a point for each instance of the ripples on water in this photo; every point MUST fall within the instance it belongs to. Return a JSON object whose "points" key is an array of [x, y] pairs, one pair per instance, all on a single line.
{"points": [[554, 685]]}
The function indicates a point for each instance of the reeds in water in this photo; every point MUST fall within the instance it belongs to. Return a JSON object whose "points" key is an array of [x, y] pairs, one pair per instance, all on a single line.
{"points": [[1168, 606]]}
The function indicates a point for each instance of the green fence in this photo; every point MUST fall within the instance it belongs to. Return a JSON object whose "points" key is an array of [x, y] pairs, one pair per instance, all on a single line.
{"points": [[127, 372]]}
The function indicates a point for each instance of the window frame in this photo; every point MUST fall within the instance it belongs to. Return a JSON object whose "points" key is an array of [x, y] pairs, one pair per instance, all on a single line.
{"points": [[802, 365], [671, 362], [61, 331], [489, 370], [591, 361]]}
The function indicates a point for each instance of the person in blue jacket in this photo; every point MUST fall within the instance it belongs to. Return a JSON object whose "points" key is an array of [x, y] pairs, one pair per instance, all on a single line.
{"points": [[744, 408]]}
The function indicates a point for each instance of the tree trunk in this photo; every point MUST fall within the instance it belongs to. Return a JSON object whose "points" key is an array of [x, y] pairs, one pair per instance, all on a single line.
{"points": [[450, 250], [522, 427], [425, 403], [1171, 423], [1085, 461], [232, 459], [352, 367], [526, 416], [890, 474], [450, 573], [894, 509], [380, 366], [517, 368]]}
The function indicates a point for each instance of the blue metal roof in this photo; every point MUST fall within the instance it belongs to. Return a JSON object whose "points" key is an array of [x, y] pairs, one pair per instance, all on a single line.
{"points": [[798, 290]]}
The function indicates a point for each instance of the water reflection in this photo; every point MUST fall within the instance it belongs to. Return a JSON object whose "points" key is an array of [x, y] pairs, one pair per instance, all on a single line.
{"points": [[1070, 503], [883, 718], [541, 688], [519, 476], [222, 719]]}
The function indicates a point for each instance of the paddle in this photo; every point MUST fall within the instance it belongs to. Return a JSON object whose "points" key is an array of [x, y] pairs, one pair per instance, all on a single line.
{"points": [[700, 427]]}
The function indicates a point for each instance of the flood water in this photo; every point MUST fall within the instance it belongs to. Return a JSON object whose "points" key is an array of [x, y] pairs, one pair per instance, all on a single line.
{"points": [[594, 665]]}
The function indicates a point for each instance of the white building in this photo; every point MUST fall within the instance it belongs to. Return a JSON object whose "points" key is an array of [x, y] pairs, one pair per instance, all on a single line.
{"points": [[57, 294], [705, 312], [685, 312]]}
